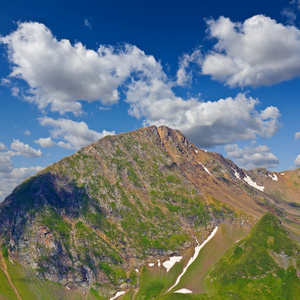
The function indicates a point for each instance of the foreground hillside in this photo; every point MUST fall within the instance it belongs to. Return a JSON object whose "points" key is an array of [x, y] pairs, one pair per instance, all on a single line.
{"points": [[95, 220]]}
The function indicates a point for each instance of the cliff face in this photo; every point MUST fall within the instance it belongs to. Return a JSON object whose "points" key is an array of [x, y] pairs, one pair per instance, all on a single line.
{"points": [[94, 217]]}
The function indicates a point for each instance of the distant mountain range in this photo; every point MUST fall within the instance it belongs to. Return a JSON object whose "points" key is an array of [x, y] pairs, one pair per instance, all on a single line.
{"points": [[124, 217]]}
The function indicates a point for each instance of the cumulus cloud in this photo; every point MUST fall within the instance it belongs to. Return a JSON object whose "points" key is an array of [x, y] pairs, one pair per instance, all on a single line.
{"points": [[10, 177], [2, 146], [60, 74], [252, 157], [27, 132], [297, 135], [75, 134], [9, 180], [5, 163], [297, 161], [258, 52], [23, 149], [205, 123], [45, 142]]}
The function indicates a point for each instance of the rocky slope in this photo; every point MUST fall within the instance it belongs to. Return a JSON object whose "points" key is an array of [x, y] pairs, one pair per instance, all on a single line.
{"points": [[93, 218]]}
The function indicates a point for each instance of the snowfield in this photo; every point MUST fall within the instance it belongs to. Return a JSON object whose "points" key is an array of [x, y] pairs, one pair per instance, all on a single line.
{"points": [[184, 291], [168, 264], [193, 258], [253, 184]]}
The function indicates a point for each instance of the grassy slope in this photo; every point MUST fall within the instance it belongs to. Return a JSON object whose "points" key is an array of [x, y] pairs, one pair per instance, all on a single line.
{"points": [[30, 287], [6, 290], [224, 239], [253, 269], [154, 282]]}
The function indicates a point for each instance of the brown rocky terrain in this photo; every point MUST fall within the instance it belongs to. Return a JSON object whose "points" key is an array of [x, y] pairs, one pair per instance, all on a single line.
{"points": [[92, 218]]}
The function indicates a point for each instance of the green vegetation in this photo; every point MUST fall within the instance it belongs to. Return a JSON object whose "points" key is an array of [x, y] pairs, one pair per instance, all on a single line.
{"points": [[129, 197], [154, 283], [129, 295], [28, 285], [115, 274], [261, 266], [93, 247], [56, 224], [133, 277], [5, 288]]}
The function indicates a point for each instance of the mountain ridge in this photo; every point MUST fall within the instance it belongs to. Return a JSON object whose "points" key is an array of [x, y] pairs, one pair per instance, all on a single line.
{"points": [[94, 217]]}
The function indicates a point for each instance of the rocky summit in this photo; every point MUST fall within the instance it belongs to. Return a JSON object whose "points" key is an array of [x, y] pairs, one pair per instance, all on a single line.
{"points": [[106, 222]]}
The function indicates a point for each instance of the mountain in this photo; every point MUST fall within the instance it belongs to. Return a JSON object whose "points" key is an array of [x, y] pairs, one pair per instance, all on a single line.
{"points": [[262, 265], [106, 218]]}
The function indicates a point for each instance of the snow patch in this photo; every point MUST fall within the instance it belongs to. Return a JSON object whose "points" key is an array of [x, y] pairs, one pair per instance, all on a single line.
{"points": [[274, 177], [205, 150], [193, 258], [184, 291], [158, 262], [196, 151], [254, 184], [236, 174], [151, 265], [168, 264], [205, 169], [118, 294], [282, 174]]}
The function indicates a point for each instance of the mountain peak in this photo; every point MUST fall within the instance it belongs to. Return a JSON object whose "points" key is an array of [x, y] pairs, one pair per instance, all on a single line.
{"points": [[102, 212]]}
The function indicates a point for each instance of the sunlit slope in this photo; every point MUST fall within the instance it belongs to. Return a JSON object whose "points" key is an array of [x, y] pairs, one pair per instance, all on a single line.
{"points": [[92, 219], [264, 265]]}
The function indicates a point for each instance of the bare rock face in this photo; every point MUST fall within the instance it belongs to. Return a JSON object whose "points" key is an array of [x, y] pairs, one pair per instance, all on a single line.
{"points": [[96, 215]]}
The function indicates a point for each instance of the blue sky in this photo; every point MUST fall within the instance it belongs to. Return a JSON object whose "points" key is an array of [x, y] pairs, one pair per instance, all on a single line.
{"points": [[226, 73]]}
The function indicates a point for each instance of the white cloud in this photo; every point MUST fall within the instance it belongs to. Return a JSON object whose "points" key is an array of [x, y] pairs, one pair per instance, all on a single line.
{"points": [[297, 135], [2, 146], [297, 161], [23, 149], [233, 151], [20, 173], [45, 142], [5, 163], [184, 77], [10, 177], [252, 157], [104, 108], [27, 132], [258, 52], [75, 134], [66, 145], [60, 74], [205, 123], [9, 180]]}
